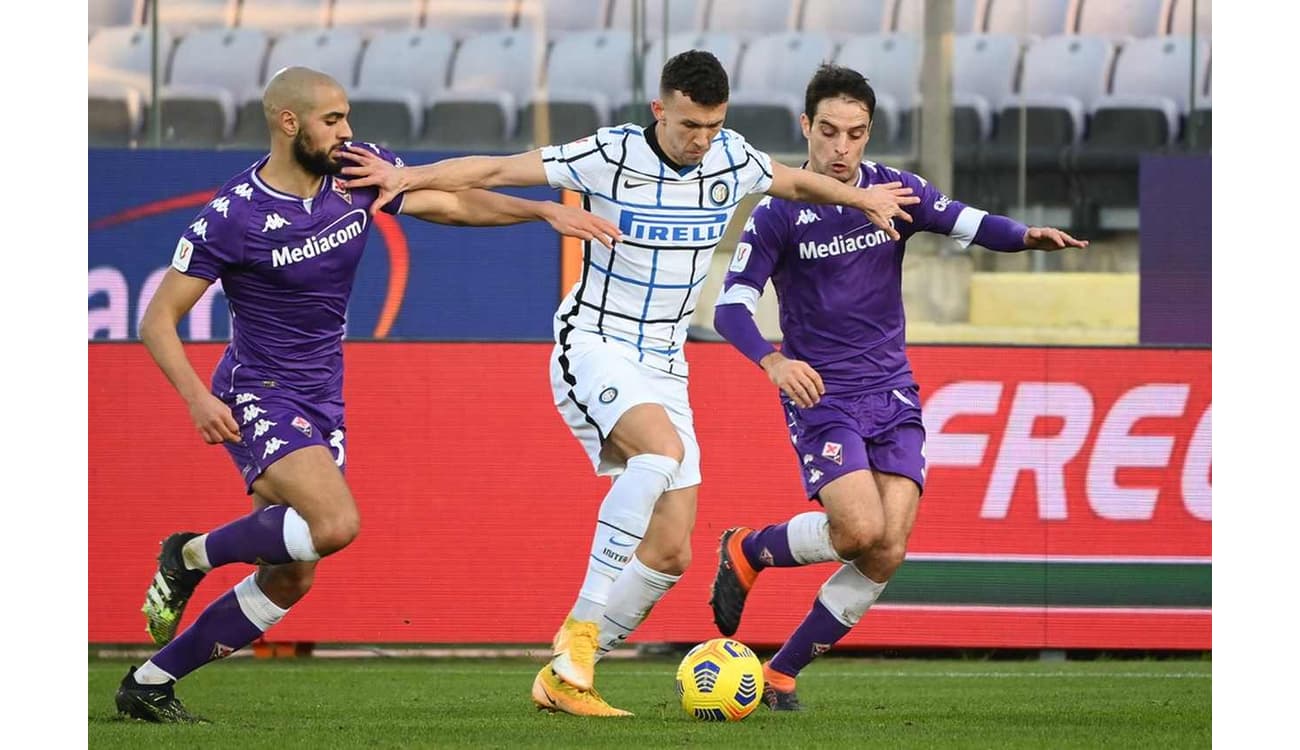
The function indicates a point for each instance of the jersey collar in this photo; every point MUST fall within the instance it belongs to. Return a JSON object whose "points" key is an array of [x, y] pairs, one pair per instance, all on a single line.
{"points": [[652, 138]]}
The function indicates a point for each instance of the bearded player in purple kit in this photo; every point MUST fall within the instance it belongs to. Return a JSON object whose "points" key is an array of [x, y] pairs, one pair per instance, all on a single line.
{"points": [[285, 239], [850, 401]]}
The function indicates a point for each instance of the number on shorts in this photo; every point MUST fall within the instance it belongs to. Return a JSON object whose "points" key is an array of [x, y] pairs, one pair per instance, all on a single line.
{"points": [[336, 440]]}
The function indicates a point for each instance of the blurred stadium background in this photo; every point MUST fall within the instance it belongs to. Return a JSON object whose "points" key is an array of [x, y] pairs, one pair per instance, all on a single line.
{"points": [[1068, 394]]}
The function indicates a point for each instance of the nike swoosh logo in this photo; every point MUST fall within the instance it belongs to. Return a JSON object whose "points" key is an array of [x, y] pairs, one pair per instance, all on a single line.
{"points": [[630, 184]]}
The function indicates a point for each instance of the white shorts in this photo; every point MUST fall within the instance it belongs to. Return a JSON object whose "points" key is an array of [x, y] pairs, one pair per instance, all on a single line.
{"points": [[595, 383]]}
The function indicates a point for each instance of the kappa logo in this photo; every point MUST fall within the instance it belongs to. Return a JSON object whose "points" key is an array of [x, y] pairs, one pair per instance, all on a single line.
{"points": [[814, 475], [273, 445], [200, 229], [275, 221], [302, 425], [251, 412], [749, 224], [244, 190], [807, 458], [765, 202], [833, 452], [262, 426], [807, 216], [244, 398], [222, 206]]}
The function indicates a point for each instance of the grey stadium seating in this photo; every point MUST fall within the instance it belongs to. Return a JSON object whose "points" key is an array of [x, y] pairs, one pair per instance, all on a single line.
{"points": [[968, 16], [725, 47], [559, 17], [838, 20], [462, 19], [751, 18], [1044, 17], [210, 70], [1120, 18], [767, 96], [377, 15], [585, 72], [983, 76], [280, 16], [400, 71], [182, 16], [1180, 17], [892, 63], [684, 16], [491, 75]]}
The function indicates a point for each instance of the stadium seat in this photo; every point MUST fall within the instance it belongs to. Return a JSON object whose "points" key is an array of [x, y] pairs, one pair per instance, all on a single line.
{"points": [[180, 16], [200, 104], [684, 16], [278, 16], [767, 96], [750, 18], [838, 20], [1120, 18], [559, 17], [115, 112], [462, 19], [1044, 17], [586, 71], [332, 51], [491, 74], [1180, 17], [983, 75], [1158, 66], [113, 13], [968, 17], [725, 47], [376, 15], [1062, 77], [124, 55], [400, 71], [892, 63]]}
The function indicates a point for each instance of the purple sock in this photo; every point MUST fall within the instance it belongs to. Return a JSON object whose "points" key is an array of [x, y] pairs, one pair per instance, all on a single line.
{"points": [[769, 547], [221, 630], [256, 539], [814, 637]]}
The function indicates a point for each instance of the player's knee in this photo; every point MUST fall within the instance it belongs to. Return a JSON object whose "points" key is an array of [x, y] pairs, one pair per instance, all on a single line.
{"points": [[676, 560], [886, 559], [285, 585], [668, 445], [852, 541], [332, 534]]}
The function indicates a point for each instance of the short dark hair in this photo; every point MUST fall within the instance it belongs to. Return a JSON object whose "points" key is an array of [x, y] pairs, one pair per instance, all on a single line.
{"points": [[835, 80], [697, 74]]}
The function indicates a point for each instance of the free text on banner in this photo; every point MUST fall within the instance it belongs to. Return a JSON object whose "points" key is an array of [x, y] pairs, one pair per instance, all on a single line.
{"points": [[1068, 501]]}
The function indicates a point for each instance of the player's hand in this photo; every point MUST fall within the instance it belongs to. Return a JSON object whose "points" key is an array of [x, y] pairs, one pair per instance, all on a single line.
{"points": [[368, 169], [883, 203], [796, 378], [575, 222], [214, 420], [1047, 238]]}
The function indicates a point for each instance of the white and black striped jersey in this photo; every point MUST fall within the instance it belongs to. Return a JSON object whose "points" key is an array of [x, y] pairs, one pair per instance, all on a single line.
{"points": [[642, 293]]}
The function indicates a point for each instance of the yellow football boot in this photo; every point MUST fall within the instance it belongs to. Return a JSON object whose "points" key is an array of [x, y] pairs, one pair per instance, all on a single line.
{"points": [[550, 693], [573, 655]]}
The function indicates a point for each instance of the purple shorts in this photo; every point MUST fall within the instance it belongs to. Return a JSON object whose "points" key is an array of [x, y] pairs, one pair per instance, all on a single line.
{"points": [[274, 423], [879, 431]]}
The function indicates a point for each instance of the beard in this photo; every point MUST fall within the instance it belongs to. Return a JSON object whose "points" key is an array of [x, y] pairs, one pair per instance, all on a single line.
{"points": [[317, 162]]}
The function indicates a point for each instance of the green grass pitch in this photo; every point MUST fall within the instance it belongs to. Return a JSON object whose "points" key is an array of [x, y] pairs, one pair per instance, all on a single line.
{"points": [[850, 702]]}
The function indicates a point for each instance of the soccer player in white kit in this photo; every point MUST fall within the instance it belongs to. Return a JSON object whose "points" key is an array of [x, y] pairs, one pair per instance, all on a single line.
{"points": [[618, 370]]}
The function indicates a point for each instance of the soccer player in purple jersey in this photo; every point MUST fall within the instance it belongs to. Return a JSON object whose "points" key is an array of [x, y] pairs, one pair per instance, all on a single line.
{"points": [[851, 403], [285, 240]]}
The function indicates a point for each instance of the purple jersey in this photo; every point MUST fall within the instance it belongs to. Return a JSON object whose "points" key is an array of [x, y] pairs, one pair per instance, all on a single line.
{"points": [[286, 265], [839, 279]]}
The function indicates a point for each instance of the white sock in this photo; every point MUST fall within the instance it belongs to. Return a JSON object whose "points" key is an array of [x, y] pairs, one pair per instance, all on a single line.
{"points": [[810, 538], [150, 674], [256, 605], [195, 554], [297, 538], [849, 594], [620, 524], [630, 601]]}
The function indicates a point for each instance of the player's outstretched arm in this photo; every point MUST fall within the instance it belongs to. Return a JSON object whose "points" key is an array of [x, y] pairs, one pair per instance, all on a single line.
{"points": [[1004, 234], [450, 175], [484, 208], [176, 295], [881, 203]]}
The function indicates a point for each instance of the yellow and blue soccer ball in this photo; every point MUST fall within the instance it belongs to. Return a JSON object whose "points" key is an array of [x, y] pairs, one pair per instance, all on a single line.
{"points": [[720, 680]]}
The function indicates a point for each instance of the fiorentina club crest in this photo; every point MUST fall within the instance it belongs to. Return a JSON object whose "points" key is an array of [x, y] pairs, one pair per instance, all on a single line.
{"points": [[342, 191], [833, 452], [766, 556], [221, 650], [302, 425], [820, 648]]}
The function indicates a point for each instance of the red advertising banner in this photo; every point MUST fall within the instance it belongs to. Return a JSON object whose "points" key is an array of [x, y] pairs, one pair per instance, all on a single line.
{"points": [[1068, 500]]}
